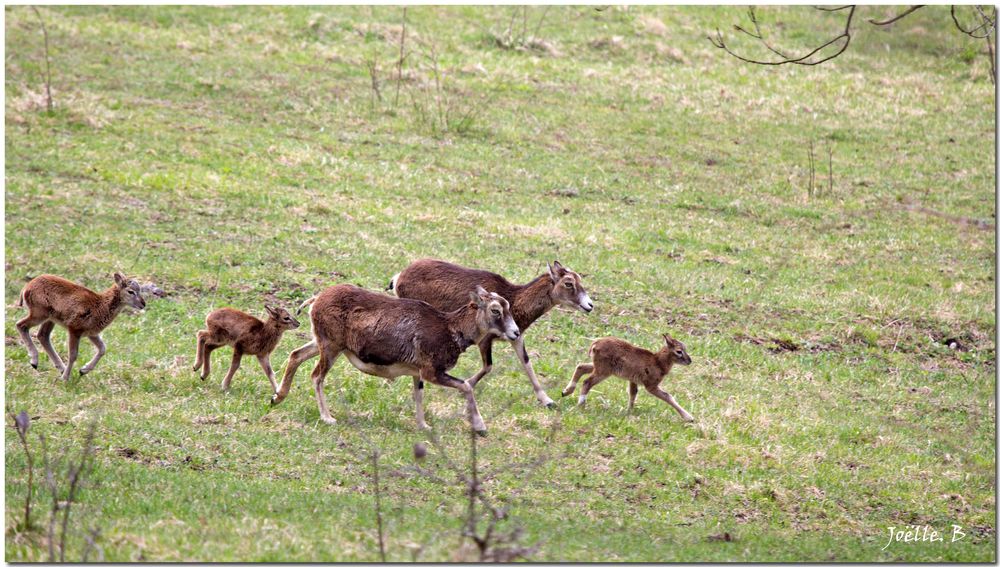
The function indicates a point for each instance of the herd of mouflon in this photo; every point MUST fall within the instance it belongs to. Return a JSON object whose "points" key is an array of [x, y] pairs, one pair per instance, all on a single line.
{"points": [[439, 310]]}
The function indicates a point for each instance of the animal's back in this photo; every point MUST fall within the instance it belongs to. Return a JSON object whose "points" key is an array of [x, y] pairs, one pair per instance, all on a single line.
{"points": [[378, 328], [60, 298], [621, 357], [444, 285], [230, 324]]}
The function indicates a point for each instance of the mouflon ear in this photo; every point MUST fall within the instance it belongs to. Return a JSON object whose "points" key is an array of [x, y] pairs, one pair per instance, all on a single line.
{"points": [[476, 301], [271, 310], [556, 270], [121, 280], [669, 340]]}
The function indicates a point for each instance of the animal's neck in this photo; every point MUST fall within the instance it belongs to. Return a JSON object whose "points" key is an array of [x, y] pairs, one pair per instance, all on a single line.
{"points": [[109, 307], [462, 323], [531, 301], [666, 360]]}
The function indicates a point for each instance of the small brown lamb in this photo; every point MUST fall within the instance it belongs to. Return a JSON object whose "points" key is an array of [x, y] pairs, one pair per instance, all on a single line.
{"points": [[615, 357], [53, 300], [247, 335]]}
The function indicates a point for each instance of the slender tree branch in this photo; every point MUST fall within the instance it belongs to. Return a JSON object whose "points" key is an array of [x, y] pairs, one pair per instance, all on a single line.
{"points": [[719, 42], [896, 18]]}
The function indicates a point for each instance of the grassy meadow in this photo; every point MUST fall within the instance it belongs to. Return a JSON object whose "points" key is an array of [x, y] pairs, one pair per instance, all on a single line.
{"points": [[242, 155]]}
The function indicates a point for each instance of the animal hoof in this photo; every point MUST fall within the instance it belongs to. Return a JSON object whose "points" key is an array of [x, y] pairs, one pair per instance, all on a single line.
{"points": [[551, 405], [35, 366], [329, 420], [83, 371], [274, 400], [481, 433]]}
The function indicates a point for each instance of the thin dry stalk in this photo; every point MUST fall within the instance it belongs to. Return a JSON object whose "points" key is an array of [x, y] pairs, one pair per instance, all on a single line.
{"points": [[76, 475], [48, 70], [812, 170], [378, 506], [399, 63], [830, 165]]}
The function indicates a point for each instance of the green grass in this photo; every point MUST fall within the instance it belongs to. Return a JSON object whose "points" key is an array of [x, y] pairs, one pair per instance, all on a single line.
{"points": [[241, 147]]}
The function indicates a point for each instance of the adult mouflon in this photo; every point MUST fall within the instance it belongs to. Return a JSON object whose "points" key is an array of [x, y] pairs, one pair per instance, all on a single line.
{"points": [[445, 286], [391, 337]]}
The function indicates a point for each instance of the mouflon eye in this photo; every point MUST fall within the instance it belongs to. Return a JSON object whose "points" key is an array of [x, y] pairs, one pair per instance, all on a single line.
{"points": [[496, 312], [569, 285]]}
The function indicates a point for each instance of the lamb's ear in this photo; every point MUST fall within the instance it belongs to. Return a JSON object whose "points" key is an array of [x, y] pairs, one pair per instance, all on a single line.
{"points": [[121, 280], [270, 310], [668, 339]]}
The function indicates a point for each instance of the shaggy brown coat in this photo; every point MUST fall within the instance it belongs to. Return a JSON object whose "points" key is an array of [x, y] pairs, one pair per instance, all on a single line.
{"points": [[444, 286], [390, 337]]}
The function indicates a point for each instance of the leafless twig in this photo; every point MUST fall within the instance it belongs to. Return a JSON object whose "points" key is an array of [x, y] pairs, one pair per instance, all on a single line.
{"points": [[399, 63], [845, 35], [48, 71], [897, 17]]}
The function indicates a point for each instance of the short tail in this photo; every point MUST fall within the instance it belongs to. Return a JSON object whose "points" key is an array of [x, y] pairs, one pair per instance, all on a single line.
{"points": [[392, 283], [304, 304], [20, 300]]}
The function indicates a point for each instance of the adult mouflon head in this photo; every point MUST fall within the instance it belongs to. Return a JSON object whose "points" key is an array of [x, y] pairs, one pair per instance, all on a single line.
{"points": [[493, 315], [568, 288]]}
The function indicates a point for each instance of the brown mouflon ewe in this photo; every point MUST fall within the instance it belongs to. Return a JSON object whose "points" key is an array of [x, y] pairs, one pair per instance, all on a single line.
{"points": [[390, 337], [615, 357], [247, 335], [446, 285], [53, 300]]}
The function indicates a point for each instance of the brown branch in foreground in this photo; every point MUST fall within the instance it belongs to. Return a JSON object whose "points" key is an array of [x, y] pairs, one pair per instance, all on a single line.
{"points": [[896, 18], [48, 71]]}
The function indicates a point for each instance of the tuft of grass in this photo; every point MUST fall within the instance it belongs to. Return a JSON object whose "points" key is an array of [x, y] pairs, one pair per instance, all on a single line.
{"points": [[236, 148]]}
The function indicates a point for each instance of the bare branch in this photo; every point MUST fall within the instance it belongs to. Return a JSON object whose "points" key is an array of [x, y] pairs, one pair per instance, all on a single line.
{"points": [[902, 15], [719, 42]]}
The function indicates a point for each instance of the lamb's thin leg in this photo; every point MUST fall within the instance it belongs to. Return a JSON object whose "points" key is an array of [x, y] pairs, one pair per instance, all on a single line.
{"points": [[486, 352], [472, 410], [237, 356], [206, 366], [585, 368], [418, 401], [326, 359], [594, 379], [74, 349], [656, 391], [45, 337], [633, 390], [522, 355], [298, 356], [265, 363], [23, 326], [199, 357], [99, 345]]}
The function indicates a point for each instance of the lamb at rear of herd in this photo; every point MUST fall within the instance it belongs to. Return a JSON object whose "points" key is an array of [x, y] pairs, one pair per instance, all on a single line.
{"points": [[439, 310]]}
